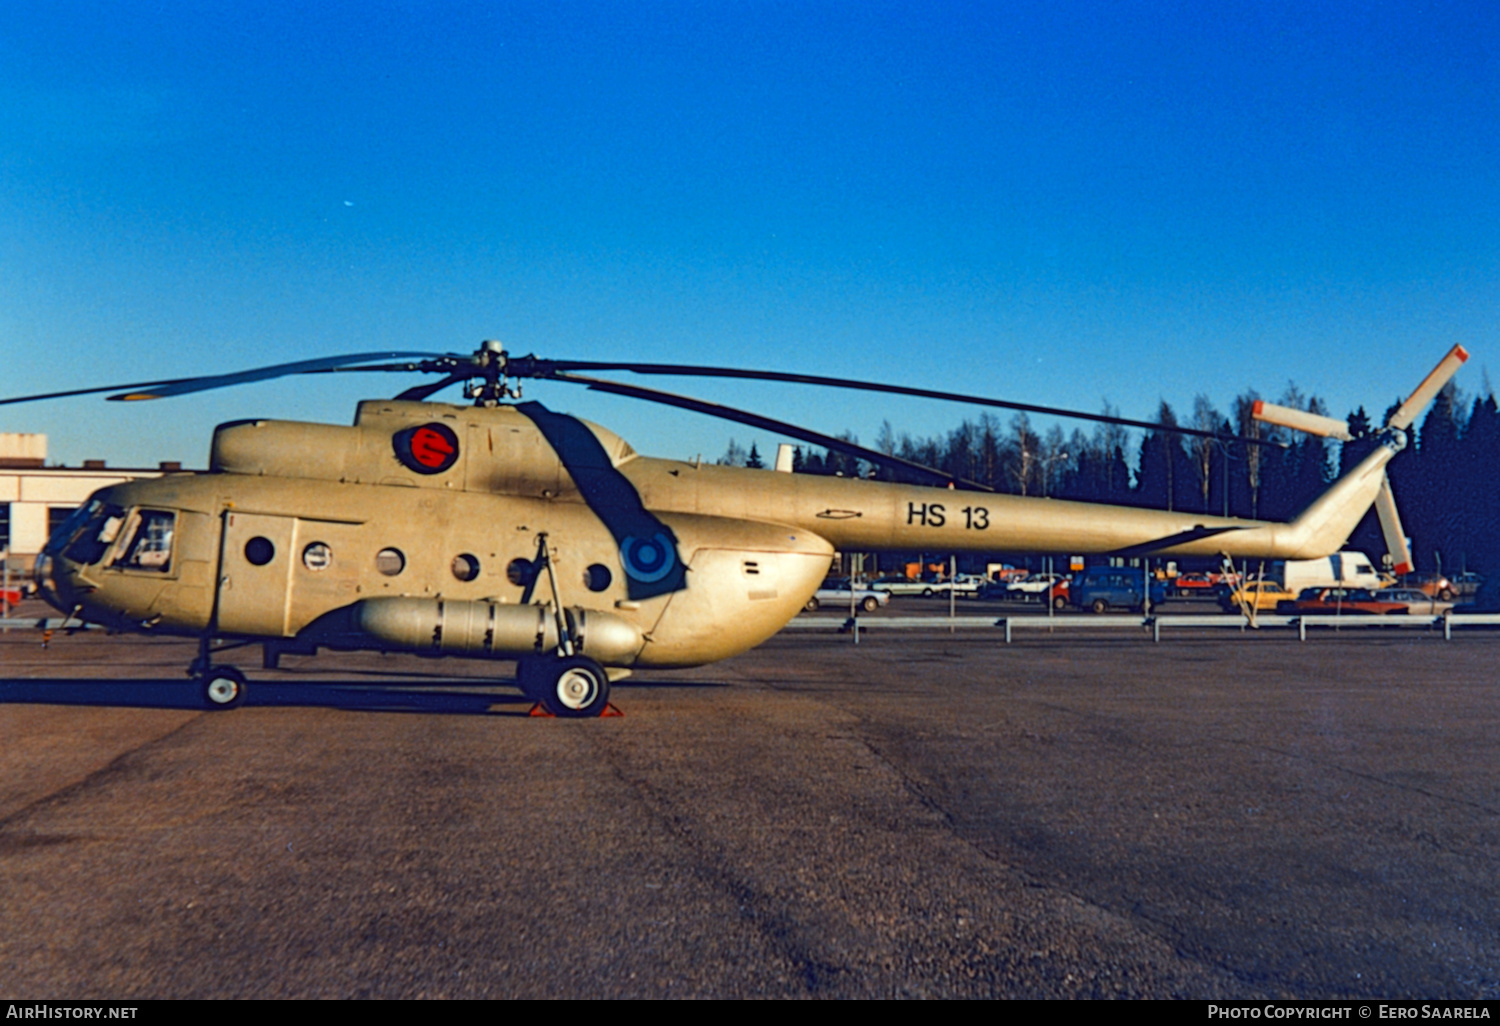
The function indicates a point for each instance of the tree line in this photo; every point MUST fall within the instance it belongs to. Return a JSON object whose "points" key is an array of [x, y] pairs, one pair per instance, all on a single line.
{"points": [[1449, 507]]}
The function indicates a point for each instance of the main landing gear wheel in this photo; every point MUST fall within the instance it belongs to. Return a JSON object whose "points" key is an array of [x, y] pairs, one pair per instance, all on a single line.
{"points": [[574, 687], [223, 687]]}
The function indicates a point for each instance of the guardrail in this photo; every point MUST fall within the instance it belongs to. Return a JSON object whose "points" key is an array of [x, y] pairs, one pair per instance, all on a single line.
{"points": [[1154, 624], [1009, 624]]}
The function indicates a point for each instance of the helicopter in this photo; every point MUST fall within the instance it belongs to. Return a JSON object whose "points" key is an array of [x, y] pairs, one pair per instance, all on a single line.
{"points": [[500, 529]]}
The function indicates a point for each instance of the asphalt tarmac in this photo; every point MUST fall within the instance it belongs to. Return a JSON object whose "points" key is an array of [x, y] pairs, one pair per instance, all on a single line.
{"points": [[924, 815]]}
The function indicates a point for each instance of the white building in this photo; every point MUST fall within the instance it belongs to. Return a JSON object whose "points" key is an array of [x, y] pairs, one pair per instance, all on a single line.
{"points": [[36, 498]]}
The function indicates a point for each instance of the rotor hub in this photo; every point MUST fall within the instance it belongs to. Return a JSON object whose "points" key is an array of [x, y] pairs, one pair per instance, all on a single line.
{"points": [[490, 384], [1393, 438]]}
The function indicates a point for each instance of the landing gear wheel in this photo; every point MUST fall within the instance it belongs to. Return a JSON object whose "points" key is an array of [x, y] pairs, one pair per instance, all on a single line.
{"points": [[575, 687], [223, 687]]}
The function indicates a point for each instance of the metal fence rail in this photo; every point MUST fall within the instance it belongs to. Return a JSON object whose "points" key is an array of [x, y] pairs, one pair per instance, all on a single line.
{"points": [[1155, 624], [1010, 624]]}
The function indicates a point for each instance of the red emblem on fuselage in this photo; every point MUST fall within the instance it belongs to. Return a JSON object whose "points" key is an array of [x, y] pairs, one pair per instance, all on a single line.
{"points": [[429, 449]]}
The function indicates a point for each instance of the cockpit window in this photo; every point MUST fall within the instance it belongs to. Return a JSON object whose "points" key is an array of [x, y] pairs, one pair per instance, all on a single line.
{"points": [[89, 532], [150, 546]]}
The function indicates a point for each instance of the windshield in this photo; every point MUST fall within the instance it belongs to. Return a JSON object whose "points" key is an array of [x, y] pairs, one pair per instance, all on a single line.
{"points": [[88, 532]]}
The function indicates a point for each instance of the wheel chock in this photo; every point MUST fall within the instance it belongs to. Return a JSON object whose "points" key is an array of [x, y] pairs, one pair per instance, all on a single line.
{"points": [[540, 711]]}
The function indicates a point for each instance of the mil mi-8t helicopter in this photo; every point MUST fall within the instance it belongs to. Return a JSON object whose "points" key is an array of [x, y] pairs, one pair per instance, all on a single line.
{"points": [[505, 530]]}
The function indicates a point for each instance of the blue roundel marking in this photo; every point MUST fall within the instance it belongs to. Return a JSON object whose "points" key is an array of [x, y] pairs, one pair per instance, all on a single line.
{"points": [[648, 560]]}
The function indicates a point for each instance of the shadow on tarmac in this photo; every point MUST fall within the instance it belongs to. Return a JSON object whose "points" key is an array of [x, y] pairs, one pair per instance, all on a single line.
{"points": [[482, 698]]}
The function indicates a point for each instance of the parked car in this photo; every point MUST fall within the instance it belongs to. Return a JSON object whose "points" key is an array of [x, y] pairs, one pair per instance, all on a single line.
{"points": [[1058, 594], [837, 593], [902, 585], [1468, 583], [1102, 588], [1341, 601], [968, 584], [991, 590], [1435, 585], [964, 586], [1036, 588], [1194, 584], [1264, 596], [1418, 602]]}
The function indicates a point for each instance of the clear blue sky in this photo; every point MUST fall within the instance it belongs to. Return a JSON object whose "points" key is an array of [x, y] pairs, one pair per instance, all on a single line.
{"points": [[1052, 202]]}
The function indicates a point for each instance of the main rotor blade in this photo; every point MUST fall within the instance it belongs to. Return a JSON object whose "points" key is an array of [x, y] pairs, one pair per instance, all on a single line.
{"points": [[1429, 388], [929, 474], [418, 393], [536, 367], [279, 370], [86, 391], [162, 387]]}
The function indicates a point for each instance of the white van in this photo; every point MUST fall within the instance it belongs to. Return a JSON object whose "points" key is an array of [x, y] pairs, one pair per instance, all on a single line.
{"points": [[1342, 569]]}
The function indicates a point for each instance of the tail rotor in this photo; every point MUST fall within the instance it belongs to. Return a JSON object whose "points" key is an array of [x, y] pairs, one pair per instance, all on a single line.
{"points": [[1393, 435]]}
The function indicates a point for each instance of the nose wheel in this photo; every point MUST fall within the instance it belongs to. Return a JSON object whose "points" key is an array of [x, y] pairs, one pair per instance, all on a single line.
{"points": [[223, 687], [572, 687]]}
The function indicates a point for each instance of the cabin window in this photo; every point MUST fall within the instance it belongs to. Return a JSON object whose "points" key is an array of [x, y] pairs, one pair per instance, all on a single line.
{"points": [[259, 551], [150, 547], [465, 567], [597, 577], [390, 562], [317, 557]]}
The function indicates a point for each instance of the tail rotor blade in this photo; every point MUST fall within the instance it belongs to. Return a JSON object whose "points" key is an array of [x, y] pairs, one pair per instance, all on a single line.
{"points": [[1390, 526], [1300, 420], [1430, 387]]}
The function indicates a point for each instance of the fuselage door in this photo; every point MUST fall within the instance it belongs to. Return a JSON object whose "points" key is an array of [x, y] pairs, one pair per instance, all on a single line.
{"points": [[255, 571]]}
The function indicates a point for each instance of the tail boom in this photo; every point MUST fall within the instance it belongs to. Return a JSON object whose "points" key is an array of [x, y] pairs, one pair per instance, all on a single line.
{"points": [[868, 515]]}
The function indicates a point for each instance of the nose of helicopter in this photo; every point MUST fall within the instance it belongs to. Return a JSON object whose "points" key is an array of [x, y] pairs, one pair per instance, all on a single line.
{"points": [[53, 578], [54, 573]]}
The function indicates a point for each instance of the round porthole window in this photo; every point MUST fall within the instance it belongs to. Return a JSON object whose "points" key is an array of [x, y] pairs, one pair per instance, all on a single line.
{"points": [[520, 572], [597, 577], [465, 567], [390, 562], [317, 556], [259, 551]]}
